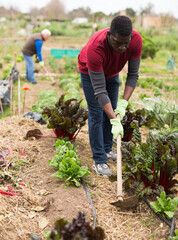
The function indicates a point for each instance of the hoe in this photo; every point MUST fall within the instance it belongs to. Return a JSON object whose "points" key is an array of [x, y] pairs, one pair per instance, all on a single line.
{"points": [[121, 201]]}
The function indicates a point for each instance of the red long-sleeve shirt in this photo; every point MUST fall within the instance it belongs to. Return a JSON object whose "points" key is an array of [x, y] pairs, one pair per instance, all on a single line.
{"points": [[97, 55]]}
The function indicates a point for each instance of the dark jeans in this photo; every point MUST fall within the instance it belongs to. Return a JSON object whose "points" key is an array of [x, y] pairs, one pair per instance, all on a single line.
{"points": [[101, 138]]}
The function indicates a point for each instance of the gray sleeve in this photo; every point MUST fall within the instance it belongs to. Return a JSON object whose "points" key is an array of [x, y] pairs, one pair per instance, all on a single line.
{"points": [[133, 71], [99, 86]]}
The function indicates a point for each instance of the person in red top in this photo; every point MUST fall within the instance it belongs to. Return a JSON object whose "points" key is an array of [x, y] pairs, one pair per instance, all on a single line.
{"points": [[100, 62]]}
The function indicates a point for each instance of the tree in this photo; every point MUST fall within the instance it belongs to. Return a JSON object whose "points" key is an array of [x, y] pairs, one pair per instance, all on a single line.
{"points": [[130, 12], [167, 20], [54, 10], [34, 12], [148, 10], [114, 15], [98, 16], [79, 12]]}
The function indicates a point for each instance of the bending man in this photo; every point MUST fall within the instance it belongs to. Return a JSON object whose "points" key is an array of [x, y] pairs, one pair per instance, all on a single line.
{"points": [[100, 62], [33, 46]]}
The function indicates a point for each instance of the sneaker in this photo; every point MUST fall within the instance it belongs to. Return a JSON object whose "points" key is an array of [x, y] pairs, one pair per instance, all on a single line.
{"points": [[112, 155], [35, 83], [102, 169]]}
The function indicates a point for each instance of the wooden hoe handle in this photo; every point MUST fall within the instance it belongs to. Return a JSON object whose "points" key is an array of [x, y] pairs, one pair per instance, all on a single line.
{"points": [[53, 81], [119, 167]]}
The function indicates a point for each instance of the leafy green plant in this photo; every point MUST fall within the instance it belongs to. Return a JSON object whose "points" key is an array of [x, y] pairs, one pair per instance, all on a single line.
{"points": [[149, 47], [157, 92], [165, 206], [19, 58], [145, 85], [67, 162], [71, 84], [52, 63], [47, 99], [66, 118], [133, 120], [162, 111], [7, 58], [143, 95], [64, 149], [70, 64], [70, 171], [6, 71], [77, 229], [150, 165]]}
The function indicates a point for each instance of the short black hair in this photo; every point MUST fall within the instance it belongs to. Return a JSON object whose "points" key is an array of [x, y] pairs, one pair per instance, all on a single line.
{"points": [[121, 25]]}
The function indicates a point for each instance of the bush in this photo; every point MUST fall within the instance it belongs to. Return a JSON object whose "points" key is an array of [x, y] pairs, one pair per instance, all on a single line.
{"points": [[7, 58], [149, 47]]}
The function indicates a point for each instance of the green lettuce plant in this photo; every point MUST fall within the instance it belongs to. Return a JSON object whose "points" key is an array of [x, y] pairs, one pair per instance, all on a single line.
{"points": [[67, 162], [165, 206]]}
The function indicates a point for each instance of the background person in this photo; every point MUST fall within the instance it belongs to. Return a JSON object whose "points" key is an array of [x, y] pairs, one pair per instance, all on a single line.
{"points": [[100, 61], [33, 46]]}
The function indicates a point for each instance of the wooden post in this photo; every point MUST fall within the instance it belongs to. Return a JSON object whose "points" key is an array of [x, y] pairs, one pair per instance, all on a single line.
{"points": [[14, 108], [19, 103], [24, 101], [25, 88], [11, 89], [1, 107]]}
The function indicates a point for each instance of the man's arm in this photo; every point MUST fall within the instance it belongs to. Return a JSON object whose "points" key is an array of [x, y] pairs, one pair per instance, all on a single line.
{"points": [[128, 92], [109, 110], [132, 77], [99, 86], [38, 45]]}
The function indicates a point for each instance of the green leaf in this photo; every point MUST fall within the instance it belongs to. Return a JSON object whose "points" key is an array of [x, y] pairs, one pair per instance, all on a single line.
{"points": [[163, 196], [76, 182], [169, 214]]}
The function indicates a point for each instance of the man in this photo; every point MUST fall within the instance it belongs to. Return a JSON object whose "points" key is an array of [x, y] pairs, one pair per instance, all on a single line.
{"points": [[33, 46], [100, 61]]}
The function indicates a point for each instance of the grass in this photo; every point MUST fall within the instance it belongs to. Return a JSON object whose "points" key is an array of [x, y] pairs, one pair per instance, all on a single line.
{"points": [[6, 113], [153, 70], [147, 222]]}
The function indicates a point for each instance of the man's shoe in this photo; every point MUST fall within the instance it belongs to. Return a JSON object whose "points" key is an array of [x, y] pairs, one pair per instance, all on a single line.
{"points": [[112, 155], [35, 83], [102, 169]]}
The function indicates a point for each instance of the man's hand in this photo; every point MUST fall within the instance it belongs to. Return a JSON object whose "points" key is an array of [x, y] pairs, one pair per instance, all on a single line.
{"points": [[121, 106], [117, 127], [41, 64]]}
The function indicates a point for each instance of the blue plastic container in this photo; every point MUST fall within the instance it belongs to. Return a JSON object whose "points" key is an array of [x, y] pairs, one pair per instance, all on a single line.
{"points": [[59, 53]]}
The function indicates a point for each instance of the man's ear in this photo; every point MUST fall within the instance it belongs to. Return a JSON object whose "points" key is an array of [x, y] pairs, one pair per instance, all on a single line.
{"points": [[108, 33]]}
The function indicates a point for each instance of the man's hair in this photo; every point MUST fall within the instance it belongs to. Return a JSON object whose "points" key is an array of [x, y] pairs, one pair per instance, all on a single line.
{"points": [[121, 25], [46, 32]]}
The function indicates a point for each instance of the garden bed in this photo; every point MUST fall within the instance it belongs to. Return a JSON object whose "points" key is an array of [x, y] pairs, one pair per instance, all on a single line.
{"points": [[45, 199]]}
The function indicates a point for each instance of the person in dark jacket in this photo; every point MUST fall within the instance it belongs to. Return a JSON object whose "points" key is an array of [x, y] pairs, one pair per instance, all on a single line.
{"points": [[100, 62], [33, 46]]}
